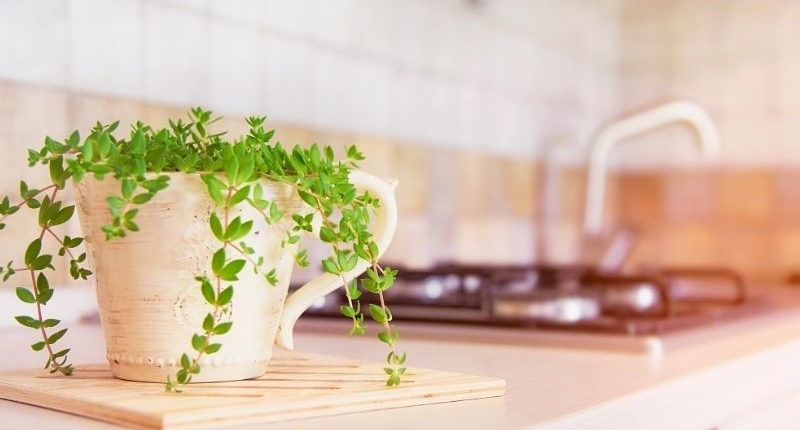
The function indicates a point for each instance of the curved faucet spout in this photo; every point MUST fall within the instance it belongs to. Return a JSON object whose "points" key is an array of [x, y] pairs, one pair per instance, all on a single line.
{"points": [[630, 126]]}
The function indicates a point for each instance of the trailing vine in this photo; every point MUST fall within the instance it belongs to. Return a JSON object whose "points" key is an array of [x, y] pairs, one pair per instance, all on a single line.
{"points": [[232, 171]]}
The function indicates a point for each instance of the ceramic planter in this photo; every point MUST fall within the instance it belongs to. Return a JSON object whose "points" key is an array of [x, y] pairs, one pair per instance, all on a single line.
{"points": [[150, 303]]}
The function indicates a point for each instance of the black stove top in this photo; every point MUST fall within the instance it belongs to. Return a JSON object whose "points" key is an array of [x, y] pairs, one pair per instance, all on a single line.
{"points": [[565, 297]]}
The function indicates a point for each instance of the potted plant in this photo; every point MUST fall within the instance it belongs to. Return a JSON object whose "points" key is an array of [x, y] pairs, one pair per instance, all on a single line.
{"points": [[192, 240]]}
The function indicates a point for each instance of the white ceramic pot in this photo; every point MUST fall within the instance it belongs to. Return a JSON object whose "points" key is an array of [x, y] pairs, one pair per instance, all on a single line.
{"points": [[150, 303]]}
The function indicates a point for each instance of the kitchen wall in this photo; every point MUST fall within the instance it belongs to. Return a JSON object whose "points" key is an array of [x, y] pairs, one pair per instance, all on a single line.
{"points": [[484, 109], [738, 59], [459, 99]]}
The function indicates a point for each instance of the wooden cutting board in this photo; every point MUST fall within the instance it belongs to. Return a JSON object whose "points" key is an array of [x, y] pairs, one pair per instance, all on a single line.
{"points": [[297, 386]]}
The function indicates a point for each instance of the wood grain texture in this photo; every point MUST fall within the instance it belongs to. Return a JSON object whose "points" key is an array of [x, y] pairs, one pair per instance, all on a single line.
{"points": [[296, 386]]}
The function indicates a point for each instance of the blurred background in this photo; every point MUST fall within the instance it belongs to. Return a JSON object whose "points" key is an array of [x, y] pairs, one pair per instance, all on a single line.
{"points": [[485, 110]]}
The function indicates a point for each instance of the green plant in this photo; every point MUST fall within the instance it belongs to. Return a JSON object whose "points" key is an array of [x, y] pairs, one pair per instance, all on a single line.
{"points": [[231, 171]]}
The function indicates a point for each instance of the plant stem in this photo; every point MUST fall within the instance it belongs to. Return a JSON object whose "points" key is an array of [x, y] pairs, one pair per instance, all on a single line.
{"points": [[52, 360], [26, 200]]}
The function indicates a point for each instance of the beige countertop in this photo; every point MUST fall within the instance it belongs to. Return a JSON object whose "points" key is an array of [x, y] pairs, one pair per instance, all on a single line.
{"points": [[704, 379]]}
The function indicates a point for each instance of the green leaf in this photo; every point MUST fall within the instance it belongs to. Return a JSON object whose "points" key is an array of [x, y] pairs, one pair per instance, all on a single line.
{"points": [[246, 171], [53, 338], [272, 277], [182, 377], [352, 290], [229, 272], [156, 185], [215, 187], [241, 231], [349, 196], [223, 328], [341, 259], [239, 196], [130, 214], [48, 210], [292, 239], [185, 361], [393, 380], [218, 261], [62, 216], [42, 284], [50, 322], [208, 291], [232, 228], [373, 275], [115, 202], [38, 346], [275, 213], [308, 198], [33, 203], [225, 296], [56, 168], [97, 169], [330, 266], [128, 187], [139, 143], [347, 311], [350, 263], [326, 234], [42, 262], [357, 329], [378, 314], [232, 170], [33, 251], [208, 323], [104, 144], [45, 296], [213, 348], [87, 151], [25, 295], [28, 321], [130, 225], [142, 198], [61, 353], [198, 342], [216, 227]]}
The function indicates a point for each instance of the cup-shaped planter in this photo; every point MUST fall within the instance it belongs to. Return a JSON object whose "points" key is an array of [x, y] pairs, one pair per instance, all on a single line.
{"points": [[150, 303]]}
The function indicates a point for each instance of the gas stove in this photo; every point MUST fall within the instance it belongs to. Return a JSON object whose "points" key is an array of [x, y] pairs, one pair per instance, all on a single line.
{"points": [[573, 299]]}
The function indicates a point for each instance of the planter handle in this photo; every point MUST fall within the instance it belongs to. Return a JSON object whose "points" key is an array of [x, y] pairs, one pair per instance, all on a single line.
{"points": [[384, 228]]}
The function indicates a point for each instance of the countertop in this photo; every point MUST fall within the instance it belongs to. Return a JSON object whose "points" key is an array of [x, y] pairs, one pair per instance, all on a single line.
{"points": [[711, 378]]}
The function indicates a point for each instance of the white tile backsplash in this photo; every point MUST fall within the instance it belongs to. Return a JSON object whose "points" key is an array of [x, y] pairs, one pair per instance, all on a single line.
{"points": [[494, 240], [371, 98], [333, 105], [409, 33], [176, 56], [238, 60], [290, 80], [34, 41], [394, 69], [334, 22], [471, 131], [738, 59], [408, 105], [253, 13], [105, 47], [290, 17], [375, 20]]}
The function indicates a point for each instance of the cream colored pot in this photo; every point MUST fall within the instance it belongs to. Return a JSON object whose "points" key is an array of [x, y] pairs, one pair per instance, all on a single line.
{"points": [[150, 303]]}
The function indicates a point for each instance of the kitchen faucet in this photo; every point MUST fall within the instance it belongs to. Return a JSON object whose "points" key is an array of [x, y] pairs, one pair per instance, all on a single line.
{"points": [[630, 126]]}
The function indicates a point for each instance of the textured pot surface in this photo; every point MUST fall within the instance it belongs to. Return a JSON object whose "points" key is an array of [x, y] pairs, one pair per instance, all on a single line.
{"points": [[150, 303]]}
